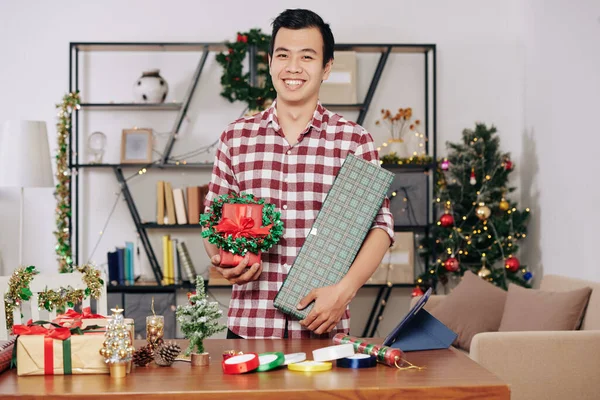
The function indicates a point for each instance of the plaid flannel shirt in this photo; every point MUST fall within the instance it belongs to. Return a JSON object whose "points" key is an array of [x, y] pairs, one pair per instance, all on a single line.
{"points": [[253, 156]]}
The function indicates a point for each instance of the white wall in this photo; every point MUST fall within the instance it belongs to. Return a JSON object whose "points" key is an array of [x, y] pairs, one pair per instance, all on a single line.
{"points": [[482, 52], [560, 137]]}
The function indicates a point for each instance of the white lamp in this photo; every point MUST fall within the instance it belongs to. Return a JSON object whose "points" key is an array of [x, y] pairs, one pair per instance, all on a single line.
{"points": [[25, 161]]}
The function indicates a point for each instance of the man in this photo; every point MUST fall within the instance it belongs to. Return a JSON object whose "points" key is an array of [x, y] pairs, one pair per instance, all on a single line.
{"points": [[289, 155]]}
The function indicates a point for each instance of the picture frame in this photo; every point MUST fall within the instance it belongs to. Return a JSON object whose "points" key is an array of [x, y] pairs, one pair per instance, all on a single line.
{"points": [[136, 146]]}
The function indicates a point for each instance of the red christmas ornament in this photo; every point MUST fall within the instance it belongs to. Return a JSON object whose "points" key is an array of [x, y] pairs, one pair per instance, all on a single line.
{"points": [[446, 220], [508, 165], [417, 292], [445, 164], [472, 179], [242, 38], [451, 264], [512, 264]]}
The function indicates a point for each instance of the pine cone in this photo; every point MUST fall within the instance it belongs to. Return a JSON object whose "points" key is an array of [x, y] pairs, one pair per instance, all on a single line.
{"points": [[143, 356], [166, 354]]}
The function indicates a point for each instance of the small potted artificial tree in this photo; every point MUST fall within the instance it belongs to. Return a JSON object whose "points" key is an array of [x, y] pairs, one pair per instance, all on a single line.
{"points": [[199, 320]]}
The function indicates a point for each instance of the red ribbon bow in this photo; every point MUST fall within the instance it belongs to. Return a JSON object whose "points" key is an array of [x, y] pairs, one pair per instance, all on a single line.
{"points": [[61, 333], [86, 312], [242, 228]]}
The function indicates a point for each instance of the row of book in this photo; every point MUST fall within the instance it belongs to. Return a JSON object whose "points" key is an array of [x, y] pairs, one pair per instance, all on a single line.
{"points": [[179, 205], [122, 270], [177, 264]]}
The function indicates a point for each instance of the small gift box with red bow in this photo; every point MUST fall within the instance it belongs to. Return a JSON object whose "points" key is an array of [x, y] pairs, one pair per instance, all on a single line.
{"points": [[86, 318], [241, 225], [45, 348]]}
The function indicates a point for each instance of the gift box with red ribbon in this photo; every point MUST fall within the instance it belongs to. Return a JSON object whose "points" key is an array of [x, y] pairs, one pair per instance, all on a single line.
{"points": [[241, 221], [51, 349], [73, 319]]}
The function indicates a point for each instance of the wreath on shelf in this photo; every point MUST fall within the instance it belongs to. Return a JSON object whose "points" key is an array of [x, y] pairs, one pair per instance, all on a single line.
{"points": [[242, 244], [49, 299], [70, 102], [236, 85]]}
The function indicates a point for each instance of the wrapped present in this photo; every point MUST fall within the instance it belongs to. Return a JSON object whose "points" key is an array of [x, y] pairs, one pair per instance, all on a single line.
{"points": [[337, 234], [73, 319], [6, 350], [55, 350], [241, 221]]}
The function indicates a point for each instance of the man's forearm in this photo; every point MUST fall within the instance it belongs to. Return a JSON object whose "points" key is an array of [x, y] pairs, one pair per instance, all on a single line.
{"points": [[368, 259]]}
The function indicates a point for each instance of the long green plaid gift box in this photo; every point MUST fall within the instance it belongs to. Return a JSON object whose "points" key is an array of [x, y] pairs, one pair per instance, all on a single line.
{"points": [[339, 230]]}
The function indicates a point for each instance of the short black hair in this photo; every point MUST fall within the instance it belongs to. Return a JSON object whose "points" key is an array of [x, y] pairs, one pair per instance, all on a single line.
{"points": [[300, 19]]}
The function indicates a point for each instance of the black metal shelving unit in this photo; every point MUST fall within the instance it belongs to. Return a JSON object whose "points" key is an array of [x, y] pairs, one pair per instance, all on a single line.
{"points": [[428, 51]]}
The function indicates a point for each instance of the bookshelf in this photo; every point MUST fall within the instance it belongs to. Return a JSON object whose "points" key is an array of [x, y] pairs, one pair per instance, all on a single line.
{"points": [[145, 228]]}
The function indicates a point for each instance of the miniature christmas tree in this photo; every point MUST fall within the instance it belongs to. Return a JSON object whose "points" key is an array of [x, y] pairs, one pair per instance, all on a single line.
{"points": [[117, 348], [199, 319]]}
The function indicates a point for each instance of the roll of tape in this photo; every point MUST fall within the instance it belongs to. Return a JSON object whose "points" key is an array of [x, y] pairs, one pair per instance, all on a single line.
{"points": [[333, 352], [310, 366], [357, 361], [241, 363], [269, 361], [294, 358]]}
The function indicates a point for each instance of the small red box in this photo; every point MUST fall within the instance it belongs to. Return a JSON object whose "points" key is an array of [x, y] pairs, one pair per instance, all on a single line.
{"points": [[235, 212]]}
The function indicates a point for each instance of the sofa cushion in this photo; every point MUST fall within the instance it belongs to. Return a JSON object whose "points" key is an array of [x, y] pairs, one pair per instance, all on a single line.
{"points": [[541, 310], [558, 283], [473, 306]]}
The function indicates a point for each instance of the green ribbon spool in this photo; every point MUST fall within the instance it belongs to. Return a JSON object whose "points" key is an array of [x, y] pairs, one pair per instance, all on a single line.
{"points": [[270, 360]]}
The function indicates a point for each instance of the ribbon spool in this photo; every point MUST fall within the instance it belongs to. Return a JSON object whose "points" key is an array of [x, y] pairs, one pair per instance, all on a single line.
{"points": [[241, 363], [294, 358], [269, 361], [334, 352], [310, 366], [357, 361]]}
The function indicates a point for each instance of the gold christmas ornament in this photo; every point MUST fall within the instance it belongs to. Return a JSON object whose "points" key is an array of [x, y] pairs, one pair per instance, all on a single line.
{"points": [[504, 205], [483, 212], [484, 272]]}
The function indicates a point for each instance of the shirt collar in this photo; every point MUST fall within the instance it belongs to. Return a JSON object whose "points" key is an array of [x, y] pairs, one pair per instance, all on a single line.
{"points": [[316, 122]]}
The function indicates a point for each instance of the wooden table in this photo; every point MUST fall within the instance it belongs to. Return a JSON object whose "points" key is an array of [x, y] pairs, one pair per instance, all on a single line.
{"points": [[449, 374]]}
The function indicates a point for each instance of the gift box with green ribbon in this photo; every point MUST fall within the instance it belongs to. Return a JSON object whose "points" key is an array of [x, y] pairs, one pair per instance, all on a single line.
{"points": [[45, 348]]}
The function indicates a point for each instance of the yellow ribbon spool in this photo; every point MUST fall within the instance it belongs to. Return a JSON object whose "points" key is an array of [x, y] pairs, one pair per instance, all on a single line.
{"points": [[311, 366]]}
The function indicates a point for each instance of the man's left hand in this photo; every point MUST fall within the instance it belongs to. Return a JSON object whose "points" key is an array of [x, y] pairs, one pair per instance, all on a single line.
{"points": [[330, 306]]}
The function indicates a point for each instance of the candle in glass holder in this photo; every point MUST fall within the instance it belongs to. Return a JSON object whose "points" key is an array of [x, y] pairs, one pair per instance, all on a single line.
{"points": [[155, 330]]}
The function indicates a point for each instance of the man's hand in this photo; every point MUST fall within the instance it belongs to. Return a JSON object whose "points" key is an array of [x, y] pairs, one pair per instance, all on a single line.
{"points": [[238, 275], [330, 306]]}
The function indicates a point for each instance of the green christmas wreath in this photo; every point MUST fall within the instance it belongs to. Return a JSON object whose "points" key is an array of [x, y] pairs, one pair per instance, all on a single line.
{"points": [[242, 245], [236, 84]]}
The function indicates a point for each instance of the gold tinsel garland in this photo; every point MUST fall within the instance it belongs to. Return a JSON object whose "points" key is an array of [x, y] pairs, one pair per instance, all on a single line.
{"points": [[62, 194], [18, 291]]}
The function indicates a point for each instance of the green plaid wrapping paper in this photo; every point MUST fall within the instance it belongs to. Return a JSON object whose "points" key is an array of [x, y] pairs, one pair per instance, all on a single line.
{"points": [[338, 233]]}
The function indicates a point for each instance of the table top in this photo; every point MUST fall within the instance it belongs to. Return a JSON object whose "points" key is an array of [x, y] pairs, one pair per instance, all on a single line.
{"points": [[448, 374]]}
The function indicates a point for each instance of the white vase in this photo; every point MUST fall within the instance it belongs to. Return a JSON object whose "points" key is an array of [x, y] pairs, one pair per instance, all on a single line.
{"points": [[399, 147], [150, 87]]}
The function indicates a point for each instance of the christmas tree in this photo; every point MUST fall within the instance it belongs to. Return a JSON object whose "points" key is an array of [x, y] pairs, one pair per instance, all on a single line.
{"points": [[479, 227], [199, 319], [117, 348]]}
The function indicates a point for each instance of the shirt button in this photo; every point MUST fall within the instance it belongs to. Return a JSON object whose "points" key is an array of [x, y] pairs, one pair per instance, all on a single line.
{"points": [[285, 265], [285, 206], [285, 180], [289, 152]]}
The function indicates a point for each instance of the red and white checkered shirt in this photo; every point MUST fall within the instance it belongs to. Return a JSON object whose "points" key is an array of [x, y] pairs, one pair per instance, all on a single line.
{"points": [[253, 156]]}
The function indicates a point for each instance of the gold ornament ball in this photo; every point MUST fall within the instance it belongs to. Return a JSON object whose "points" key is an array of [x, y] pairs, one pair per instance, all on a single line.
{"points": [[483, 212], [120, 335], [108, 353], [105, 344], [504, 205], [153, 321], [102, 351], [127, 342], [115, 345], [153, 331], [159, 326], [484, 272], [122, 353]]}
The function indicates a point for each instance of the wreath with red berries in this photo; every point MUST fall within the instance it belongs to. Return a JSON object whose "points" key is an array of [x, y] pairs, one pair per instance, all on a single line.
{"points": [[241, 245], [236, 85]]}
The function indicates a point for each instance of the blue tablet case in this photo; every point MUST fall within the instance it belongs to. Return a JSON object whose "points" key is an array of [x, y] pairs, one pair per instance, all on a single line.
{"points": [[420, 330]]}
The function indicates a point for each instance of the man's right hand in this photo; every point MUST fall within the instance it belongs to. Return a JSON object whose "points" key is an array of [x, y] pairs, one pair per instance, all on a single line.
{"points": [[239, 275]]}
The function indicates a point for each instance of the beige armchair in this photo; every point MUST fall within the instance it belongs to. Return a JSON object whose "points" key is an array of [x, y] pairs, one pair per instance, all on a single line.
{"points": [[545, 365]]}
